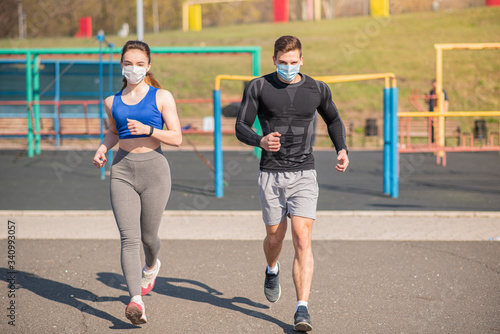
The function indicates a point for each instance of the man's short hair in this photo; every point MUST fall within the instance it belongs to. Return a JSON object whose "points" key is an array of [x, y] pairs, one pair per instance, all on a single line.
{"points": [[286, 44]]}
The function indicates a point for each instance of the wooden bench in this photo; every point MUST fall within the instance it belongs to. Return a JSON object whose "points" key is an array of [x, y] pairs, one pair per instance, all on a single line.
{"points": [[410, 127], [91, 126], [68, 126]]}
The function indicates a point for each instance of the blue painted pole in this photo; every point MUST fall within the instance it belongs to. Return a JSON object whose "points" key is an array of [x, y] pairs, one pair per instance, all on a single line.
{"points": [[394, 143], [110, 92], [100, 37], [219, 176], [57, 98], [36, 99], [29, 100], [387, 141]]}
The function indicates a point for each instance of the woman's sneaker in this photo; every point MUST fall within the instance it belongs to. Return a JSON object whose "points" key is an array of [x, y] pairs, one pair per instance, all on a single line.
{"points": [[272, 288], [136, 312], [302, 320], [148, 280]]}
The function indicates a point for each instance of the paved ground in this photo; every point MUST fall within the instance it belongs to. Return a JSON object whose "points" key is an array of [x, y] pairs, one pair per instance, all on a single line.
{"points": [[208, 286], [418, 264]]}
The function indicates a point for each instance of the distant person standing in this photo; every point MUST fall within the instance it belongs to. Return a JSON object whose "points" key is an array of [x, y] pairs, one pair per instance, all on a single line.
{"points": [[140, 175], [286, 102], [432, 100]]}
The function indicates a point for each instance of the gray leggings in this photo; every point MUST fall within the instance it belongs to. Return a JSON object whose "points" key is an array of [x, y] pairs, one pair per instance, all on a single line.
{"points": [[140, 187]]}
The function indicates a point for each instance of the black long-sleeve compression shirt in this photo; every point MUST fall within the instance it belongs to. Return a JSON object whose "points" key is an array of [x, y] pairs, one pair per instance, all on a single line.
{"points": [[288, 109]]}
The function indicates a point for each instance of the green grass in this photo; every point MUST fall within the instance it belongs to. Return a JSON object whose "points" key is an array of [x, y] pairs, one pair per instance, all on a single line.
{"points": [[401, 44]]}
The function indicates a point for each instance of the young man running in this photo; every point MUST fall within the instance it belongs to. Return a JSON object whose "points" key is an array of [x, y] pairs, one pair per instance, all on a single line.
{"points": [[285, 102]]}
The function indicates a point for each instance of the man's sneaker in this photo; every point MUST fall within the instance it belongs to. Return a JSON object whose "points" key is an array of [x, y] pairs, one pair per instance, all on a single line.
{"points": [[272, 288], [148, 280], [136, 313], [302, 320]]}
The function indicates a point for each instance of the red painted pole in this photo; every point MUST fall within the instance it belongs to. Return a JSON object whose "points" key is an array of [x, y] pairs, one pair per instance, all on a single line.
{"points": [[281, 10], [492, 2]]}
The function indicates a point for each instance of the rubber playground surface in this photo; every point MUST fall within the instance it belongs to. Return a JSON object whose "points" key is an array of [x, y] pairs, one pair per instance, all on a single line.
{"points": [[421, 263], [67, 180]]}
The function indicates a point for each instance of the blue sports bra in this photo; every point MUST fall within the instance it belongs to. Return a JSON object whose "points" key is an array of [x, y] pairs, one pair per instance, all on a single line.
{"points": [[146, 112]]}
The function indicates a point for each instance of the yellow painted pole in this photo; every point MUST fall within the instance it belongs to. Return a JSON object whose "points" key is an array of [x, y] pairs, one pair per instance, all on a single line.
{"points": [[317, 10], [185, 16], [439, 80], [440, 97], [379, 7], [449, 114], [354, 77], [326, 79], [221, 77], [188, 7], [195, 17], [468, 46]]}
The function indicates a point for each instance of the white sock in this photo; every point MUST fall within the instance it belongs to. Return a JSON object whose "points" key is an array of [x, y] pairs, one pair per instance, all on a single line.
{"points": [[149, 271], [137, 299], [301, 303], [272, 270]]}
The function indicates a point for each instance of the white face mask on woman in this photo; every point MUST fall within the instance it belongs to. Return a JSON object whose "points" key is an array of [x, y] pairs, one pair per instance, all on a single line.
{"points": [[134, 74]]}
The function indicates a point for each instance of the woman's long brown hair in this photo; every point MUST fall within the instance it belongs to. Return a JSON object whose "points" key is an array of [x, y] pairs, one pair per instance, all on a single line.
{"points": [[139, 45]]}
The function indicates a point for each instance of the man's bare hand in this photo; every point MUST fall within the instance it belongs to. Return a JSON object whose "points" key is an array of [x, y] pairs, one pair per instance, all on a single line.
{"points": [[271, 142], [343, 161]]}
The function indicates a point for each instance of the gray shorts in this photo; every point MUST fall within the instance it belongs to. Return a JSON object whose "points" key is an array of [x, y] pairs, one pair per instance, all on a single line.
{"points": [[283, 193]]}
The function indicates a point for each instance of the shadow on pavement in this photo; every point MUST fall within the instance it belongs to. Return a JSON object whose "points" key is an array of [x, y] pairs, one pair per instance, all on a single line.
{"points": [[66, 294], [170, 287]]}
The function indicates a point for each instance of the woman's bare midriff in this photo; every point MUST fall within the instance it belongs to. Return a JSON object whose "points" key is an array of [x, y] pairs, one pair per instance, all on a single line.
{"points": [[139, 145]]}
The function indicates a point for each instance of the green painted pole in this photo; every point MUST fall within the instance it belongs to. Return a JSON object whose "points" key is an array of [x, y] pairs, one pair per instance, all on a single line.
{"points": [[257, 151], [29, 99], [255, 51], [36, 99], [205, 49], [256, 62]]}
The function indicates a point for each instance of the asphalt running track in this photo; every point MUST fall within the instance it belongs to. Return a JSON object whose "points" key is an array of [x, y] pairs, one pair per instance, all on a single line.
{"points": [[67, 180], [418, 264]]}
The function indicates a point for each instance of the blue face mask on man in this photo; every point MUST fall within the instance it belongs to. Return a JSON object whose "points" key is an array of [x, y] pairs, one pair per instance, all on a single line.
{"points": [[287, 72]]}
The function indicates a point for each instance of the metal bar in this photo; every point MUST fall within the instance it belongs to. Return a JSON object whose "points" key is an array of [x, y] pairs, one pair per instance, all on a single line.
{"points": [[57, 98], [256, 62], [101, 97], [257, 151], [317, 10], [36, 99], [440, 99], [449, 114], [86, 113], [467, 46], [110, 92], [29, 99], [408, 136], [451, 149], [430, 130], [326, 79], [96, 51], [394, 144], [387, 142], [140, 20], [354, 77], [219, 180]]}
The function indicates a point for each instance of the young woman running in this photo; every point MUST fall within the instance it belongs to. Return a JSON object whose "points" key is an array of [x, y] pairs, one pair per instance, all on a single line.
{"points": [[140, 174]]}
